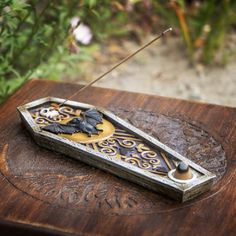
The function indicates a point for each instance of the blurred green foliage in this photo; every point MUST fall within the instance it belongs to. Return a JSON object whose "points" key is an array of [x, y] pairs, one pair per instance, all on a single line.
{"points": [[30, 32], [36, 39], [204, 24]]}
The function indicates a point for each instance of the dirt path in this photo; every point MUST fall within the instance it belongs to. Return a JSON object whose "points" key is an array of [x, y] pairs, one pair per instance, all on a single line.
{"points": [[164, 70]]}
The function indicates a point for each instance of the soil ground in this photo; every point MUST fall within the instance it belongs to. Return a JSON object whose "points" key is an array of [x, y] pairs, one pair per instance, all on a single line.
{"points": [[163, 69]]}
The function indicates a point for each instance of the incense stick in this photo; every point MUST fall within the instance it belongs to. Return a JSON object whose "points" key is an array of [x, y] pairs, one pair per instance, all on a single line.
{"points": [[117, 65]]}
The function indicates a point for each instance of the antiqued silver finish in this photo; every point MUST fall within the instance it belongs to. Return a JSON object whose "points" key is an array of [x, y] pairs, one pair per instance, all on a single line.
{"points": [[132, 168]]}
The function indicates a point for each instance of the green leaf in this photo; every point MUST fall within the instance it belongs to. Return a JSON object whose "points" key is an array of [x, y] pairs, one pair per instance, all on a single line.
{"points": [[92, 3]]}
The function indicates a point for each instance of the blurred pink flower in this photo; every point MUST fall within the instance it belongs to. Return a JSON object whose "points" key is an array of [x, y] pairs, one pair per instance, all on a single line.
{"points": [[74, 22], [81, 32]]}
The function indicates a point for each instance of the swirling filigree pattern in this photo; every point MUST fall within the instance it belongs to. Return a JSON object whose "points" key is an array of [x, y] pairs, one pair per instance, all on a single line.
{"points": [[64, 112], [127, 147], [121, 145]]}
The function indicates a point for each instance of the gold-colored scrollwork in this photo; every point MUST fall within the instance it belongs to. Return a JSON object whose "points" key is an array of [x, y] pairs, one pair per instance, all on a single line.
{"points": [[41, 120], [155, 163], [133, 161], [126, 143], [148, 154], [109, 150], [138, 162], [146, 165], [137, 153], [103, 143], [142, 148], [68, 111], [107, 143], [64, 113], [145, 152], [108, 147], [113, 142]]}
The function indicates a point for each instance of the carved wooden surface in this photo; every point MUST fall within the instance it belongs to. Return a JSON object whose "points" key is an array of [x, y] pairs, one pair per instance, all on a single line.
{"points": [[57, 194]]}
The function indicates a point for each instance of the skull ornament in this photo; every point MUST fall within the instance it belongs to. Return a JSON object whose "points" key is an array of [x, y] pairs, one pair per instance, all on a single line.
{"points": [[49, 112]]}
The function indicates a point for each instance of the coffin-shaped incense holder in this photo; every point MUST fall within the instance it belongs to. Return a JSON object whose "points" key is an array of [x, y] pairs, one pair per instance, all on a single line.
{"points": [[100, 138]]}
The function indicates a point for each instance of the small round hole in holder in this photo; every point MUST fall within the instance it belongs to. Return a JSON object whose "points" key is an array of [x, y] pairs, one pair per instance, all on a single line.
{"points": [[182, 174]]}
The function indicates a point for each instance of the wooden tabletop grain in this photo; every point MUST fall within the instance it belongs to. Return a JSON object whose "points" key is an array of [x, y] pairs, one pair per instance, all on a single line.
{"points": [[46, 193]]}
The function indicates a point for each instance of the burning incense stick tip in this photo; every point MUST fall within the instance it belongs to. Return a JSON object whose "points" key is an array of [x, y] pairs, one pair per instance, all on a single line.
{"points": [[166, 31]]}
